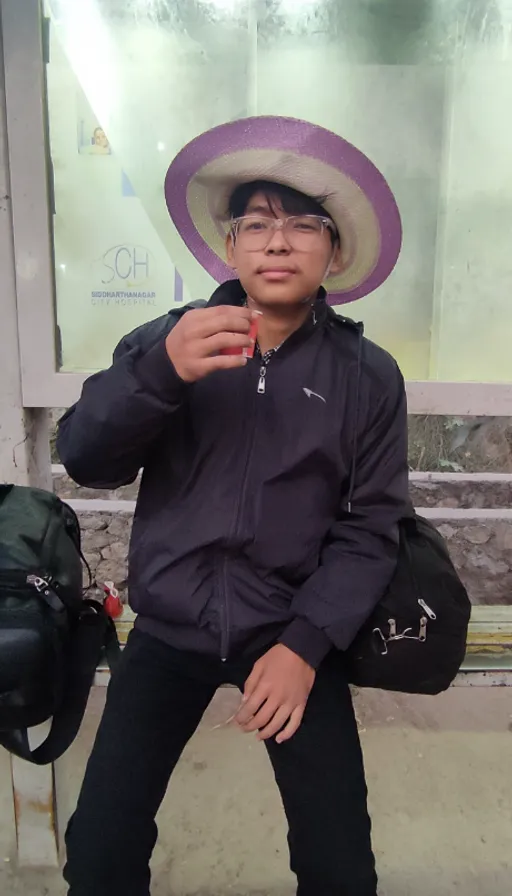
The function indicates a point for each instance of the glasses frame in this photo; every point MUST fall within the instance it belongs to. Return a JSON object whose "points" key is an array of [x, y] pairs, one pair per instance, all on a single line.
{"points": [[280, 224]]}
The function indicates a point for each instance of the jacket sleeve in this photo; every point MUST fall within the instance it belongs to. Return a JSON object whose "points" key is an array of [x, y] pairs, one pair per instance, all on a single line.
{"points": [[103, 439], [360, 553]]}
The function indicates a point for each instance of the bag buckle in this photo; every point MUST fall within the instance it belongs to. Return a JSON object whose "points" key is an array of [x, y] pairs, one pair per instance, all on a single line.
{"points": [[46, 589], [38, 583]]}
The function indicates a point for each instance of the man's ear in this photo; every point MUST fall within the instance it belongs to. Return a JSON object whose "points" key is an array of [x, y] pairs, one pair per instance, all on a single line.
{"points": [[230, 251], [336, 263]]}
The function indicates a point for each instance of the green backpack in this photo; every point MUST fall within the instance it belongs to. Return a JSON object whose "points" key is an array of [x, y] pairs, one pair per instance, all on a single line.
{"points": [[51, 638]]}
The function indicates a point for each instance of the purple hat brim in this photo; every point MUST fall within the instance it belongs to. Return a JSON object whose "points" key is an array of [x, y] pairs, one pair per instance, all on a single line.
{"points": [[300, 138]]}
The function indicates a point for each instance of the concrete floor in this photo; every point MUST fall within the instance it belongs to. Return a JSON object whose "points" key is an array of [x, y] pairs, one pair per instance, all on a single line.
{"points": [[440, 779]]}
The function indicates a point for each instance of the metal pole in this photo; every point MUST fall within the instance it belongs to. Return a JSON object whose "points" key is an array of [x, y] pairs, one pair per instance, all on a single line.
{"points": [[24, 460]]}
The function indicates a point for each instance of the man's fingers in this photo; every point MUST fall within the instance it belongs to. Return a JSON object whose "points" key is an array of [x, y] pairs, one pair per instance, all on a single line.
{"points": [[204, 332], [292, 726], [220, 362], [276, 723], [251, 706], [253, 680], [219, 341], [219, 320], [262, 718]]}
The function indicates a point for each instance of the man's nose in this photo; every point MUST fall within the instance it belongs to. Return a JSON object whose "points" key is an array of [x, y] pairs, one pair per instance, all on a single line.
{"points": [[278, 242]]}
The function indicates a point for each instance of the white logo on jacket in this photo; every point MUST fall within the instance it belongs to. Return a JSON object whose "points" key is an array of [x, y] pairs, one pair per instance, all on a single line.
{"points": [[312, 394]]}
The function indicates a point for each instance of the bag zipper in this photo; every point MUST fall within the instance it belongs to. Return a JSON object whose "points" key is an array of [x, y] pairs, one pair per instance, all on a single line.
{"points": [[45, 587], [21, 577], [428, 610]]}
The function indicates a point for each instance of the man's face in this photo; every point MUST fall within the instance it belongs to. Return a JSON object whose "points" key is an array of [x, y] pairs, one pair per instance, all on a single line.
{"points": [[288, 270]]}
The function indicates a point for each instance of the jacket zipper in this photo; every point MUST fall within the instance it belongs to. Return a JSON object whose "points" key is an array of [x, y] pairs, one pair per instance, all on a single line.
{"points": [[223, 578], [224, 638], [262, 382]]}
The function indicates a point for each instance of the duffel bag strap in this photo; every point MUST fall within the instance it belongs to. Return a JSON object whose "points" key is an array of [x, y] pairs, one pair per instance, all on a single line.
{"points": [[353, 462], [94, 633]]}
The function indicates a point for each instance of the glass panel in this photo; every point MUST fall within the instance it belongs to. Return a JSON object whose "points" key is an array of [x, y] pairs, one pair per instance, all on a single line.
{"points": [[423, 88]]}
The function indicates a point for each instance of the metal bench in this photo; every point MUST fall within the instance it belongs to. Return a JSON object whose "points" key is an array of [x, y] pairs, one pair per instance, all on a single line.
{"points": [[488, 660]]}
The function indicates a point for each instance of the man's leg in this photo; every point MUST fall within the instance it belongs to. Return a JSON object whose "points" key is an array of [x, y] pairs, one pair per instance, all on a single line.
{"points": [[321, 778], [155, 701]]}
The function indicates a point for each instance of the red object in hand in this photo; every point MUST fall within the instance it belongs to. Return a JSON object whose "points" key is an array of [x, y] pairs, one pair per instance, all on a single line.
{"points": [[246, 352], [112, 604]]}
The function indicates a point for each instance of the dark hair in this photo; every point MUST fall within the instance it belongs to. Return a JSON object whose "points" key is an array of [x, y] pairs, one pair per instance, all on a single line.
{"points": [[293, 202]]}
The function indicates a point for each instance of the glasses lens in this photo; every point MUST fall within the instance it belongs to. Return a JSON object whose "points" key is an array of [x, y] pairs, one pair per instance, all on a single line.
{"points": [[255, 232], [301, 231], [307, 225]]}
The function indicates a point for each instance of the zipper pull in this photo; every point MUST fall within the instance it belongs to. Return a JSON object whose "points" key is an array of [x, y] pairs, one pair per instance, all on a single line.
{"points": [[261, 382], [428, 610]]}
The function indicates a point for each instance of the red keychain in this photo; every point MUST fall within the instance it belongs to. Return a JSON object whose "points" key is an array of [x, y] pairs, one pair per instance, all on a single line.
{"points": [[112, 603]]}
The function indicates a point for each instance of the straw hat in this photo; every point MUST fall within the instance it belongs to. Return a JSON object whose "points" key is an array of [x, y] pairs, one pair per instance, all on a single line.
{"points": [[202, 177]]}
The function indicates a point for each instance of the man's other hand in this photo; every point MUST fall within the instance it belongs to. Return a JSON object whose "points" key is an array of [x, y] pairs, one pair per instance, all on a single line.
{"points": [[276, 694]]}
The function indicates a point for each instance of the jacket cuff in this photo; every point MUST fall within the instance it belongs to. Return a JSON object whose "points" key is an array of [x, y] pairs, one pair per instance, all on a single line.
{"points": [[307, 641], [156, 371]]}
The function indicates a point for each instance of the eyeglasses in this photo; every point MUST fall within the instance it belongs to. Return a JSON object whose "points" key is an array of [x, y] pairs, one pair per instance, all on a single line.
{"points": [[302, 232]]}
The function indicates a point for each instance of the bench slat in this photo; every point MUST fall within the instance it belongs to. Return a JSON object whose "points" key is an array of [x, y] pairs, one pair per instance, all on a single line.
{"points": [[489, 648]]}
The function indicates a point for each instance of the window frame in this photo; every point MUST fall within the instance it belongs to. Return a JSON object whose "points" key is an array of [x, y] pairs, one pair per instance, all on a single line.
{"points": [[23, 25]]}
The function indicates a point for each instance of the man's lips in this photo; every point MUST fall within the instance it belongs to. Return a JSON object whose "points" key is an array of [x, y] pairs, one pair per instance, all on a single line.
{"points": [[276, 273]]}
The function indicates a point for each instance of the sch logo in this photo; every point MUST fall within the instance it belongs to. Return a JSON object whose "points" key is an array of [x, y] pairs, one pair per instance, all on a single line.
{"points": [[129, 264]]}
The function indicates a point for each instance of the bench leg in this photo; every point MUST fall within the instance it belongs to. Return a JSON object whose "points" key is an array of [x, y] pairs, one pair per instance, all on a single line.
{"points": [[35, 813]]}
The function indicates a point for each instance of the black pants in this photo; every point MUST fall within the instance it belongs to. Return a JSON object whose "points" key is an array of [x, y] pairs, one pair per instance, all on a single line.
{"points": [[155, 702]]}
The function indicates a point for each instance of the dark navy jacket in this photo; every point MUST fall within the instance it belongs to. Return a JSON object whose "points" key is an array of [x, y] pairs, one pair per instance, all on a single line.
{"points": [[242, 535]]}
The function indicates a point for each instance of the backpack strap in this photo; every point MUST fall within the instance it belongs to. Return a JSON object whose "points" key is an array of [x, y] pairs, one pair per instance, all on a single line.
{"points": [[95, 633], [4, 491]]}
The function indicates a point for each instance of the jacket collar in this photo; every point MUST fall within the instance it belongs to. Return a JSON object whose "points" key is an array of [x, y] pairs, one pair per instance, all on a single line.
{"points": [[232, 293]]}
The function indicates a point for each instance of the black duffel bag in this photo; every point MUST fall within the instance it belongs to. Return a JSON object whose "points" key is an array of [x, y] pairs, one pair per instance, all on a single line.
{"points": [[415, 639], [51, 638]]}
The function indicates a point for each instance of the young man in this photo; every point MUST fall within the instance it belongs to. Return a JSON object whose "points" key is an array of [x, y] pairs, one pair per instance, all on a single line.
{"points": [[247, 565]]}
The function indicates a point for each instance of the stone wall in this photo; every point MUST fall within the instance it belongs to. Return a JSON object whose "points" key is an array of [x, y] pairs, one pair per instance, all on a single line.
{"points": [[480, 543], [436, 491], [468, 493], [481, 551], [437, 444], [105, 540]]}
